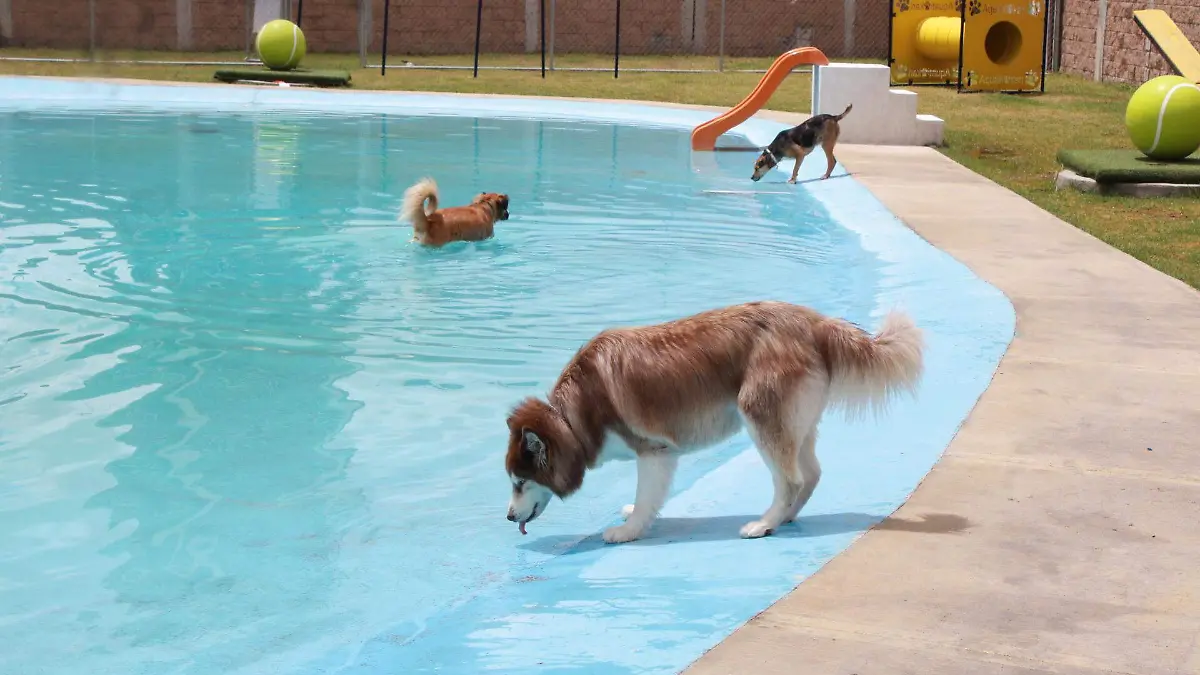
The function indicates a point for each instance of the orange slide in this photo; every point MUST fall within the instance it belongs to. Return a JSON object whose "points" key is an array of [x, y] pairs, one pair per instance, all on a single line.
{"points": [[704, 137]]}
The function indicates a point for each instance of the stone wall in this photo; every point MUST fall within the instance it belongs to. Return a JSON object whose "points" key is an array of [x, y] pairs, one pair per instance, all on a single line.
{"points": [[1128, 55], [427, 27]]}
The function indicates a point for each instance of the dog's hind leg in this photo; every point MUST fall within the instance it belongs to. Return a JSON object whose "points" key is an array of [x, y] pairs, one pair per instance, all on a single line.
{"points": [[827, 144], [654, 473], [810, 472], [781, 410]]}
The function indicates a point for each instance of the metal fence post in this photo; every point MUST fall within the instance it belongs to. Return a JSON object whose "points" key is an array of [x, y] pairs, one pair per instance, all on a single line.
{"points": [[92, 29], [550, 46], [1101, 33], [387, 13], [478, 28], [617, 44], [365, 23], [249, 5], [721, 40], [815, 102]]}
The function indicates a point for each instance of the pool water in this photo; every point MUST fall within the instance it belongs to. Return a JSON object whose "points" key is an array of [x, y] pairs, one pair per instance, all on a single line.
{"points": [[246, 426]]}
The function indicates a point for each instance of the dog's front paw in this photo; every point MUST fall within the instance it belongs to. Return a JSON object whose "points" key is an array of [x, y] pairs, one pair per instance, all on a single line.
{"points": [[621, 534], [627, 511], [755, 529]]}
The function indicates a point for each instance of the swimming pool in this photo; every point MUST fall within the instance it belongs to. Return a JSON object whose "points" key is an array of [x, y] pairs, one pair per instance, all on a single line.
{"points": [[247, 427]]}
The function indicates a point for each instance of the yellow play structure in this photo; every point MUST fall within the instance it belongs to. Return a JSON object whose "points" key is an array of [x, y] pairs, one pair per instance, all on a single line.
{"points": [[975, 45], [1171, 41]]}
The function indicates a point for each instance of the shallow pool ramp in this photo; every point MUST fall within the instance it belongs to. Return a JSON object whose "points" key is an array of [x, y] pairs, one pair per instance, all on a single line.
{"points": [[881, 115]]}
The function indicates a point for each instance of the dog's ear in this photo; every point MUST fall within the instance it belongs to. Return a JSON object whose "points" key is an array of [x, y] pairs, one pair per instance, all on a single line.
{"points": [[534, 445]]}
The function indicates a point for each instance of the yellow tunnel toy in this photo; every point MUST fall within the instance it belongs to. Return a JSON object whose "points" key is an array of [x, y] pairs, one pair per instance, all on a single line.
{"points": [[976, 45]]}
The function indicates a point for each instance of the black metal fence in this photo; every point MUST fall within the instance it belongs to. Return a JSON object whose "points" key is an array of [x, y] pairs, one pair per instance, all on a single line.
{"points": [[544, 35]]}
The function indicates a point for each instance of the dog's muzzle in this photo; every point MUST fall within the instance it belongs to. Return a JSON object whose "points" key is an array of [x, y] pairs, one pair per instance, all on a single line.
{"points": [[766, 161]]}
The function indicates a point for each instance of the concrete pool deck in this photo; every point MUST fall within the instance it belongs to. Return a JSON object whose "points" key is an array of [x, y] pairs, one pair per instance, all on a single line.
{"points": [[1060, 532]]}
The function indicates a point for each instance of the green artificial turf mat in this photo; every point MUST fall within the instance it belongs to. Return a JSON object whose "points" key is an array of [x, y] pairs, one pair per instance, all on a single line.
{"points": [[320, 78], [1129, 166]]}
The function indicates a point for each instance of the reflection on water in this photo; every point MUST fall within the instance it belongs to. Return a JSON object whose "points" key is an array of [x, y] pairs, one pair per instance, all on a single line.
{"points": [[247, 427]]}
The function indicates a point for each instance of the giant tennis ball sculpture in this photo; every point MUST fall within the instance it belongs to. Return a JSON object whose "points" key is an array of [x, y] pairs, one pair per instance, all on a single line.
{"points": [[281, 45], [1163, 118]]}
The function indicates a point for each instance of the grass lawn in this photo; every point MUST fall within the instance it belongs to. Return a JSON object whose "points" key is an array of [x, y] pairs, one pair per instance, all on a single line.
{"points": [[1012, 140]]}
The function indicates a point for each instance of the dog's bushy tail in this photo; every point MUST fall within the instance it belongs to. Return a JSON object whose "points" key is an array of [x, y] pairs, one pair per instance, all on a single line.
{"points": [[413, 209], [844, 112], [866, 370]]}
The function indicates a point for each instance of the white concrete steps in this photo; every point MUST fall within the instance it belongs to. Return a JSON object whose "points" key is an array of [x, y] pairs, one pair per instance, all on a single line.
{"points": [[881, 115]]}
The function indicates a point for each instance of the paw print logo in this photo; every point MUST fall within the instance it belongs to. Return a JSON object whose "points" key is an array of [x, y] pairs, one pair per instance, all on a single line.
{"points": [[958, 4], [1033, 78], [902, 6], [1035, 8], [975, 7]]}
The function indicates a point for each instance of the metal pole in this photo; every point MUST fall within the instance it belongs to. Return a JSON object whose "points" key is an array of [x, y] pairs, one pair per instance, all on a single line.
{"points": [[478, 27], [962, 33], [815, 102], [387, 6], [92, 29], [553, 5], [721, 48], [617, 45], [364, 30], [1101, 33], [299, 13], [891, 46], [1045, 41], [542, 17], [249, 5], [1059, 6]]}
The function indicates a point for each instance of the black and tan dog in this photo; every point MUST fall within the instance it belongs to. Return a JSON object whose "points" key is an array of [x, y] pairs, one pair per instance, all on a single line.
{"points": [[437, 227], [799, 141]]}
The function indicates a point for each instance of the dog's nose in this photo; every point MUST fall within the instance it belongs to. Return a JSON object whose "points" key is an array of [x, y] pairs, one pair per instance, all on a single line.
{"points": [[512, 517]]}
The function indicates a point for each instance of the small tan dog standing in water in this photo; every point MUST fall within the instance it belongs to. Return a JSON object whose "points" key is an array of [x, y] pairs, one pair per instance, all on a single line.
{"points": [[656, 392], [474, 222]]}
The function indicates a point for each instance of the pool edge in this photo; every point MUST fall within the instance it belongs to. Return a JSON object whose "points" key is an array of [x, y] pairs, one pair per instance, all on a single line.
{"points": [[925, 609]]}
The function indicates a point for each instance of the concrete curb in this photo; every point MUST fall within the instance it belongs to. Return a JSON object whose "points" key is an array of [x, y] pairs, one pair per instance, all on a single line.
{"points": [[1068, 179]]}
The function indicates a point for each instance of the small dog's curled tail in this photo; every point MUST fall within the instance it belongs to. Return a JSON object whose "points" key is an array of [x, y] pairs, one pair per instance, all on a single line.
{"points": [[844, 112], [866, 371], [413, 210]]}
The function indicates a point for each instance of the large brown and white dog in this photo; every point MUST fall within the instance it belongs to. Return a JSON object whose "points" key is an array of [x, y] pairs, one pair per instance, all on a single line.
{"points": [[653, 393], [436, 228]]}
